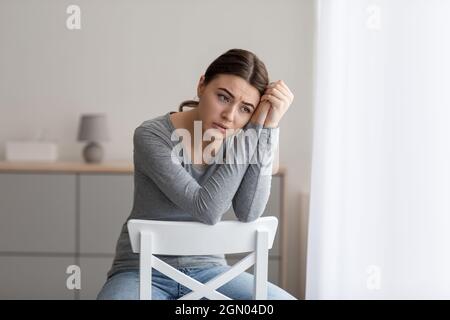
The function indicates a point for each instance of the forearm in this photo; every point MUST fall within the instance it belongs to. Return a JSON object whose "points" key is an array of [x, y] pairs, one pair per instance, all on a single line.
{"points": [[207, 202], [254, 191]]}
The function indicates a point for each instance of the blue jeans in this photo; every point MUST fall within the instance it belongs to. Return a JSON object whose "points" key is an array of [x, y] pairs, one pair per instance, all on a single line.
{"points": [[125, 285]]}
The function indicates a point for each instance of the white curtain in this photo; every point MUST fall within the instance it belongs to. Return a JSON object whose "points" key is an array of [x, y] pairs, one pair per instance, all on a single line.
{"points": [[379, 225]]}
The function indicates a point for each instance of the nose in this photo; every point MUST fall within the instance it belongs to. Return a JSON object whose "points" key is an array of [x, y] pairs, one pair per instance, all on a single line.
{"points": [[228, 113]]}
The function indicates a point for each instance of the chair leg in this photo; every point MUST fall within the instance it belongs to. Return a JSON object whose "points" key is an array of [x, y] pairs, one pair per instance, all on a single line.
{"points": [[145, 266], [262, 240]]}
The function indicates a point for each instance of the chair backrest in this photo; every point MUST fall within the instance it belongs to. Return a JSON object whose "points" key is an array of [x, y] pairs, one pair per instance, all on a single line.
{"points": [[195, 238], [151, 237]]}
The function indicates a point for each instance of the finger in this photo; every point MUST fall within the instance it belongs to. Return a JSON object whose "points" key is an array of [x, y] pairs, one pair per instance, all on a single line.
{"points": [[284, 91], [283, 84], [280, 85], [273, 100], [277, 93], [272, 84]]}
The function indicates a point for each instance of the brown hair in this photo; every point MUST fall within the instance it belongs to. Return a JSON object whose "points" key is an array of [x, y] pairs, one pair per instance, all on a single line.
{"points": [[239, 62]]}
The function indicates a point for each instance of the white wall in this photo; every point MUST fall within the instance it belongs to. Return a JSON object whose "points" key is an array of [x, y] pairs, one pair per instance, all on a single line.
{"points": [[136, 60]]}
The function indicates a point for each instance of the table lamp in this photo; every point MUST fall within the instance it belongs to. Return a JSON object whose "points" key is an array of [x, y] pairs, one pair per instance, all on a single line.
{"points": [[93, 128]]}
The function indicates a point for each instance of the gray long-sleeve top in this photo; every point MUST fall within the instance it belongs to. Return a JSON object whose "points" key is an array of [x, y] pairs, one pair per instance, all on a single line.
{"points": [[170, 188]]}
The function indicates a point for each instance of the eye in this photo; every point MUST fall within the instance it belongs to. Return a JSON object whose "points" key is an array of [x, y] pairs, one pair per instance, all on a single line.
{"points": [[246, 109], [223, 98]]}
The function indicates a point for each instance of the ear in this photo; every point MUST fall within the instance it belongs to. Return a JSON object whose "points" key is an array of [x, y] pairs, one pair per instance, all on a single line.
{"points": [[201, 86]]}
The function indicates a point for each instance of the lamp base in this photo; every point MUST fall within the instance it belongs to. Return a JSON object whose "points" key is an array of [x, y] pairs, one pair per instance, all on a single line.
{"points": [[93, 153]]}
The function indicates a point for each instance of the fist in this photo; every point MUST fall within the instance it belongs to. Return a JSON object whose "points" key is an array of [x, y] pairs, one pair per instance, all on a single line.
{"points": [[280, 97]]}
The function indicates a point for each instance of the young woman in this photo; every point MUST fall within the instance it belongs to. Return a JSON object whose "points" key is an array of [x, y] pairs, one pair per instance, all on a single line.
{"points": [[190, 184]]}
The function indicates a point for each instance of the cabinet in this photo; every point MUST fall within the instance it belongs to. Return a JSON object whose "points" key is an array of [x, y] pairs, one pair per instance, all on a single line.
{"points": [[62, 214]]}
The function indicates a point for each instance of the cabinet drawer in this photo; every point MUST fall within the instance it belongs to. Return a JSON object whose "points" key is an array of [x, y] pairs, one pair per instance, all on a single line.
{"points": [[105, 203], [37, 212], [93, 271], [35, 278]]}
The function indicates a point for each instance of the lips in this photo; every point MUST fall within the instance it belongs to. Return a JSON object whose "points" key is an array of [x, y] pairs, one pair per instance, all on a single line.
{"points": [[220, 127]]}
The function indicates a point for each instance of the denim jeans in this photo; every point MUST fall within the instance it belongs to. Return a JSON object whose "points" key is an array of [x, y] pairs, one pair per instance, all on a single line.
{"points": [[125, 285]]}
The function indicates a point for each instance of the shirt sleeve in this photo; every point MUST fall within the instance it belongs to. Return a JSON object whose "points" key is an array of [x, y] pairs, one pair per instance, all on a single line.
{"points": [[207, 202], [253, 193]]}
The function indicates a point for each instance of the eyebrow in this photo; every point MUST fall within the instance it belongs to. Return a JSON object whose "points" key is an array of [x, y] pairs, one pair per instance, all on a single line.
{"points": [[246, 103]]}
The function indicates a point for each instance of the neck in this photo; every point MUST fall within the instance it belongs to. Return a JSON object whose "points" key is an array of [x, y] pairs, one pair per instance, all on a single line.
{"points": [[197, 145], [189, 117]]}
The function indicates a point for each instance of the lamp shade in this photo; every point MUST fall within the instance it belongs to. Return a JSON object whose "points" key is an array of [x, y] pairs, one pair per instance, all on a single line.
{"points": [[93, 127]]}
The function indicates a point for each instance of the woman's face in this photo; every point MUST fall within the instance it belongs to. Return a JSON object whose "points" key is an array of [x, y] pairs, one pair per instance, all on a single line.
{"points": [[227, 101]]}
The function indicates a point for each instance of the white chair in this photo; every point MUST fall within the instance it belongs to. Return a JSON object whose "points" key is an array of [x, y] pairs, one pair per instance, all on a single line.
{"points": [[151, 237]]}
